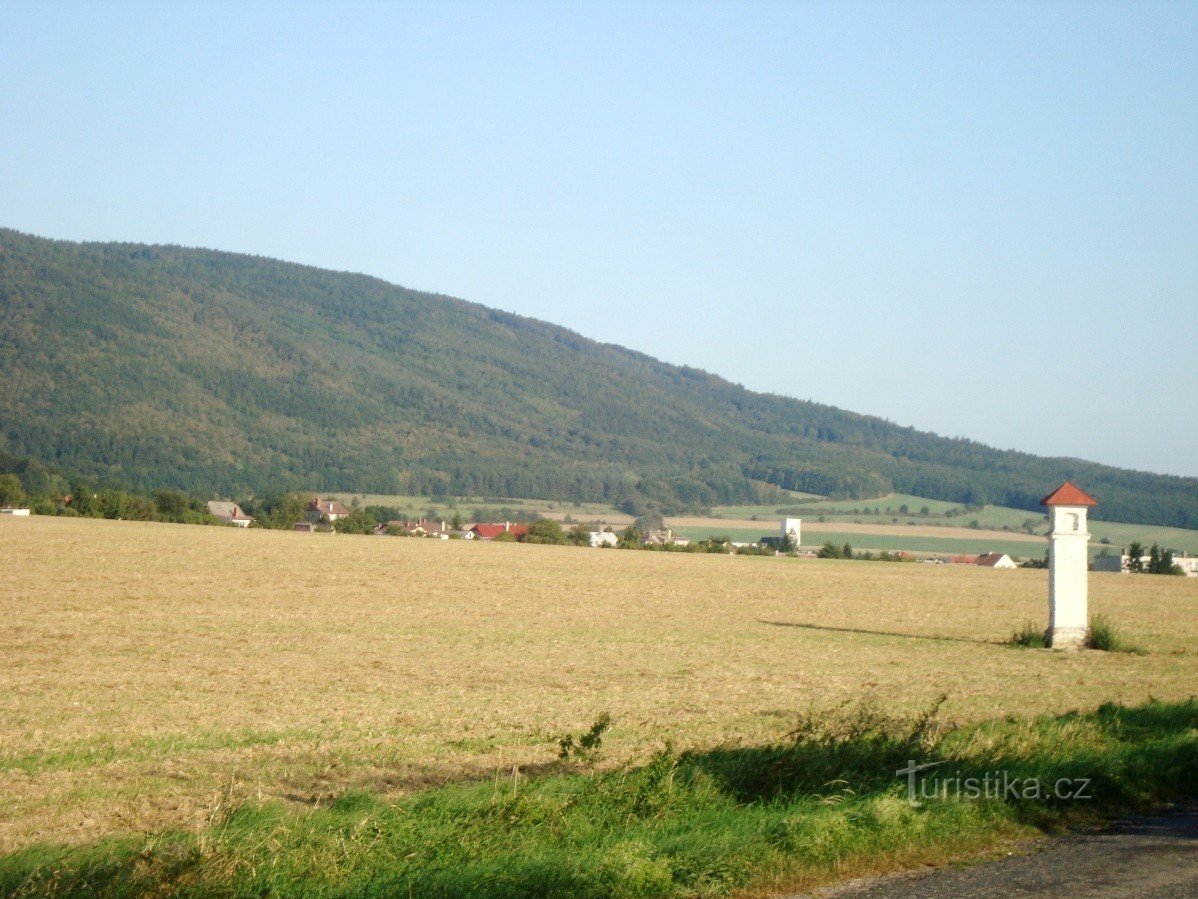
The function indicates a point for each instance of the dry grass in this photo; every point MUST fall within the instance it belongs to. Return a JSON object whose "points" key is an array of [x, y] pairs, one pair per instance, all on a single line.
{"points": [[154, 673]]}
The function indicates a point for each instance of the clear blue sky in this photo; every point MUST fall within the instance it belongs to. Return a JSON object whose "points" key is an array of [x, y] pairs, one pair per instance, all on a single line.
{"points": [[978, 219]]}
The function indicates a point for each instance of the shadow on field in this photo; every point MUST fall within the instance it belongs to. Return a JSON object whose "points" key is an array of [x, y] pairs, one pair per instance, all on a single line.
{"points": [[852, 751], [1129, 757], [861, 630]]}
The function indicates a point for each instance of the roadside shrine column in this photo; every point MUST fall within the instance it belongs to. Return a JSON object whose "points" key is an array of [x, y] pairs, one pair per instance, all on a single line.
{"points": [[1068, 567]]}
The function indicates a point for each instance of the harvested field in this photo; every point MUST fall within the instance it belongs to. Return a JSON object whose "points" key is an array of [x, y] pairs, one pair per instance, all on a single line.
{"points": [[155, 672]]}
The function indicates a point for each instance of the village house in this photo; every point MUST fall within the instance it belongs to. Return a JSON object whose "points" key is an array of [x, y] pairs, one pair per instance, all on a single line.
{"points": [[986, 560], [602, 538], [662, 538], [1188, 564], [327, 509], [229, 513], [439, 531], [491, 531], [657, 538], [423, 527]]}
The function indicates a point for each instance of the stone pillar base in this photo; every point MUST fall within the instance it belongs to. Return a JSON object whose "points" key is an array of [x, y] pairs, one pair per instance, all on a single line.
{"points": [[1068, 637]]}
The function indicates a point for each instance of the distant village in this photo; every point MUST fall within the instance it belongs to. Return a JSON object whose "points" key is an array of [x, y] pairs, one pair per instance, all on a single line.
{"points": [[327, 515], [323, 514]]}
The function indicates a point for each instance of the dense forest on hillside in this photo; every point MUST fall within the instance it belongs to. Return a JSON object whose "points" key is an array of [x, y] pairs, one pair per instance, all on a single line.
{"points": [[162, 366]]}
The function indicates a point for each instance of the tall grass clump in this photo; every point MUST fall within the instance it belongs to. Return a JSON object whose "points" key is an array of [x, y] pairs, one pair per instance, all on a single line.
{"points": [[820, 803], [1029, 635], [1105, 637]]}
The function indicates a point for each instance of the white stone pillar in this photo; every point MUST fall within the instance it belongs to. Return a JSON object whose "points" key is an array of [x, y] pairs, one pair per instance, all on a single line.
{"points": [[1068, 567]]}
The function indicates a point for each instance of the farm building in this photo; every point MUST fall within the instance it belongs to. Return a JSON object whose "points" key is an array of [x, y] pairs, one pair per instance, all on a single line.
{"points": [[21, 513], [602, 538], [1188, 564]]}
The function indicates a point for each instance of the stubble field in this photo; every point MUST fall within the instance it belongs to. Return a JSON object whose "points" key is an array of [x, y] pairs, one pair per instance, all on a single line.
{"points": [[154, 673]]}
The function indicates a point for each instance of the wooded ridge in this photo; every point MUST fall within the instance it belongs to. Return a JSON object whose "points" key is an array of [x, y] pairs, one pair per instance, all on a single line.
{"points": [[161, 366]]}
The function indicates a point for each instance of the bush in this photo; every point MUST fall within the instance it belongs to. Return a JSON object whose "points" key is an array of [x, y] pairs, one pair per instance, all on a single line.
{"points": [[831, 551]]}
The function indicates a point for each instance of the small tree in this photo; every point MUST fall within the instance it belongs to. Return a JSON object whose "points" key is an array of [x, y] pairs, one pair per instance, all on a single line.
{"points": [[579, 535], [280, 511], [171, 505], [358, 521], [545, 530], [1134, 551], [11, 491], [630, 538], [117, 504], [1160, 561], [84, 500]]}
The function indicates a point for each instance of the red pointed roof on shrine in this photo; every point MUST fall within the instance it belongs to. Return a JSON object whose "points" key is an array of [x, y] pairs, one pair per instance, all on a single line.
{"points": [[1068, 495]]}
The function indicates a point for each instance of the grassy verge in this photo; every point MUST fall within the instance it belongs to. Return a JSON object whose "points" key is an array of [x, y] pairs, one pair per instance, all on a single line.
{"points": [[822, 803]]}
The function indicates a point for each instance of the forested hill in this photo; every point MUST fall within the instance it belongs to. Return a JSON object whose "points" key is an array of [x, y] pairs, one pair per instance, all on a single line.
{"points": [[169, 367]]}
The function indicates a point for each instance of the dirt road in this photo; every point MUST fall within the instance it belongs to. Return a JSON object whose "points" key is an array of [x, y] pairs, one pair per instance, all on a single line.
{"points": [[1145, 857]]}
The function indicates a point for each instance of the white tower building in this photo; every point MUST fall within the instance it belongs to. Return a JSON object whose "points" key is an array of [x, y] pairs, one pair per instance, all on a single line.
{"points": [[1068, 558], [792, 527]]}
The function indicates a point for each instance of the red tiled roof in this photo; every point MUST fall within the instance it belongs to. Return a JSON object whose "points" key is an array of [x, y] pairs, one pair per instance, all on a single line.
{"points": [[491, 531], [330, 507], [1068, 495]]}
